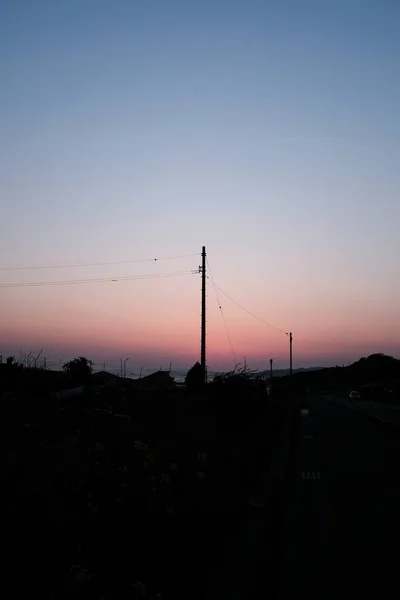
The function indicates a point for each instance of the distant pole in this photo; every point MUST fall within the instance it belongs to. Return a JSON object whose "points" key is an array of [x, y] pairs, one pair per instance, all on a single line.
{"points": [[203, 313], [270, 376], [245, 362], [125, 366], [170, 367], [121, 369], [104, 365], [141, 370], [60, 364], [291, 353], [44, 363]]}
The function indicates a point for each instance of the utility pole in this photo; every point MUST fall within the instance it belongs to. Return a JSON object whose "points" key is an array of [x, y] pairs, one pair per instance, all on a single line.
{"points": [[291, 353], [270, 377], [203, 313], [44, 363], [125, 367], [120, 370]]}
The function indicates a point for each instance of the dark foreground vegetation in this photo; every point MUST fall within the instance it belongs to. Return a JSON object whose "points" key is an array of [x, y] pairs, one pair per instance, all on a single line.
{"points": [[128, 489]]}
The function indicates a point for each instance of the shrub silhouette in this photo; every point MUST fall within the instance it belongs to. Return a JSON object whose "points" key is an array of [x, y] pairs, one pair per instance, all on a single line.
{"points": [[79, 369], [195, 377]]}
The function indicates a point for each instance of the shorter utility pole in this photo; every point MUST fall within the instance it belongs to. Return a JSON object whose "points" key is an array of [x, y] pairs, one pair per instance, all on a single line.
{"points": [[125, 361], [141, 370], [120, 368], [270, 377], [291, 353], [44, 363]]}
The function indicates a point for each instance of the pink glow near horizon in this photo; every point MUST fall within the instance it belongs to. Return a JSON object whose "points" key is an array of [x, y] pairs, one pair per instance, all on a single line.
{"points": [[161, 319]]}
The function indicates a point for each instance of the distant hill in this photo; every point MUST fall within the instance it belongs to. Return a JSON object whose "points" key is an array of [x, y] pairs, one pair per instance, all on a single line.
{"points": [[376, 369], [284, 372]]}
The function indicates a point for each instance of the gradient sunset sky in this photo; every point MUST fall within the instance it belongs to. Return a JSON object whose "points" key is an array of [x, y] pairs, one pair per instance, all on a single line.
{"points": [[268, 131]]}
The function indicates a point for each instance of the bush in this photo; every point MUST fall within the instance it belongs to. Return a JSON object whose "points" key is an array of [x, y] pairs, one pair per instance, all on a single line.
{"points": [[79, 369], [195, 377]]}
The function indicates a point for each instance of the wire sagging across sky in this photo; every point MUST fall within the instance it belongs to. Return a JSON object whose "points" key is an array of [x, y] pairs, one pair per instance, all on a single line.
{"points": [[211, 278], [97, 264], [246, 310], [98, 280]]}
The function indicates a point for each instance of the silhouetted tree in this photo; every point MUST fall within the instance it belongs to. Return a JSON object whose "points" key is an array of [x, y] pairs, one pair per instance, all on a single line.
{"points": [[195, 377], [11, 362], [79, 369]]}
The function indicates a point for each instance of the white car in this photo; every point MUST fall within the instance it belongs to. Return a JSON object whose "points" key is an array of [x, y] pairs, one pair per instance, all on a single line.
{"points": [[354, 395]]}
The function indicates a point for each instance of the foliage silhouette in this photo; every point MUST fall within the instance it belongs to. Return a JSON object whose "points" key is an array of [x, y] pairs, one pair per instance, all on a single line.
{"points": [[79, 369], [195, 377]]}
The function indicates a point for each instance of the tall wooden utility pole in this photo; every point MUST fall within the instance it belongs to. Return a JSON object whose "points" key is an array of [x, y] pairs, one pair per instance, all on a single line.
{"points": [[203, 312], [291, 353]]}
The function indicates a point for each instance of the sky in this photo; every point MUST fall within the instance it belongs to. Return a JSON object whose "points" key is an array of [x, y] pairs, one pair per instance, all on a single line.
{"points": [[267, 131]]}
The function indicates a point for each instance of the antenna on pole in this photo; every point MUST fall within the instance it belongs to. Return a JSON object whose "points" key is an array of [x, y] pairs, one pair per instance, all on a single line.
{"points": [[291, 353], [202, 270]]}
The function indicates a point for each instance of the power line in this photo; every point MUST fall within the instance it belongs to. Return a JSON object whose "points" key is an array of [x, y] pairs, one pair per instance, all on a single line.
{"points": [[249, 312], [97, 264], [222, 312], [99, 280]]}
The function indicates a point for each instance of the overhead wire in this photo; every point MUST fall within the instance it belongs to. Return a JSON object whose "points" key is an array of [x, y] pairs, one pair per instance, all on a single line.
{"points": [[211, 278], [96, 280], [249, 312], [97, 264]]}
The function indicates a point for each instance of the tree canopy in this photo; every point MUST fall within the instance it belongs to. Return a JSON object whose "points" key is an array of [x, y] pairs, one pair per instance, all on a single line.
{"points": [[195, 377], [79, 369]]}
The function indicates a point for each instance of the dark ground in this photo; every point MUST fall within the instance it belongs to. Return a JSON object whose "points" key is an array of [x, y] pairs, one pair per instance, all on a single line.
{"points": [[90, 514], [343, 532], [100, 508]]}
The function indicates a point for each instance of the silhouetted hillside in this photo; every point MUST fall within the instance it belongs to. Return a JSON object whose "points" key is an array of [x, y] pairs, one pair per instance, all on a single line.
{"points": [[375, 371], [284, 372]]}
